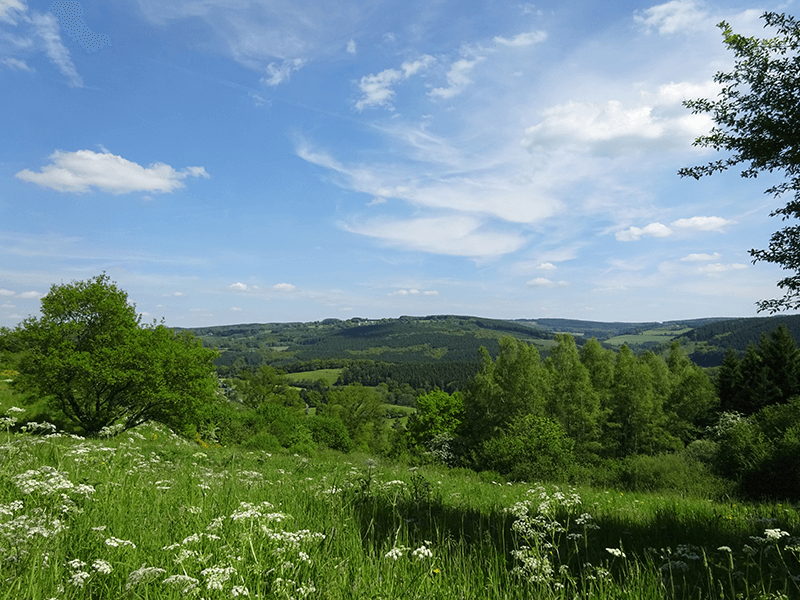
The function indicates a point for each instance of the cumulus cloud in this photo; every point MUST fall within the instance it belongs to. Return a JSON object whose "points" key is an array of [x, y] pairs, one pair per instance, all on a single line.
{"points": [[615, 128], [457, 78], [238, 286], [284, 287], [544, 282], [235, 309], [78, 171], [523, 39], [672, 17], [701, 257], [703, 223], [633, 234], [377, 89], [547, 266], [47, 28], [453, 236], [351, 47], [175, 294], [278, 73], [29, 295], [5, 292], [17, 65]]}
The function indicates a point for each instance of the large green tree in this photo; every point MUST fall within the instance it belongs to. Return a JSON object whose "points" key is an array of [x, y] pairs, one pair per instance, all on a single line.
{"points": [[90, 354], [756, 116]]}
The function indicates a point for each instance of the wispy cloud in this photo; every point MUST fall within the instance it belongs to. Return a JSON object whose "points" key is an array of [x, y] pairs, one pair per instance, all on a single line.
{"points": [[523, 39], [453, 236], [10, 10], [701, 257], [457, 78], [544, 282], [677, 16], [278, 73], [81, 170], [377, 89], [47, 28], [284, 287], [17, 65]]}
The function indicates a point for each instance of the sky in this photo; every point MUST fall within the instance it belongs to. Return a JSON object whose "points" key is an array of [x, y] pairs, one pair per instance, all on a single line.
{"points": [[254, 161]]}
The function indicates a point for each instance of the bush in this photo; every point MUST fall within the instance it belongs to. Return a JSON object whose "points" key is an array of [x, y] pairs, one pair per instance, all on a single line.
{"points": [[534, 448], [329, 432], [677, 472]]}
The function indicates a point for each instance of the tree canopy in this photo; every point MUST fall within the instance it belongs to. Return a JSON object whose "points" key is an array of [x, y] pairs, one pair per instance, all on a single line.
{"points": [[90, 354], [756, 116]]}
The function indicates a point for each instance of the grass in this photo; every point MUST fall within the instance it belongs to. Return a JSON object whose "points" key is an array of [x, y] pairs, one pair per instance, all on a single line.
{"points": [[651, 335], [329, 376], [147, 514]]}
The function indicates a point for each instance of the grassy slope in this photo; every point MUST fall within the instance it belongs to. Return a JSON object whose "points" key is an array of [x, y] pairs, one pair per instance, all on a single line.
{"points": [[158, 515]]}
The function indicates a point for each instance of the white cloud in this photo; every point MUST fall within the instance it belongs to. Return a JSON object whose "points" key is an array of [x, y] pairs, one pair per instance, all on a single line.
{"points": [[4, 292], [284, 287], [238, 286], [279, 73], [701, 257], [235, 309], [453, 236], [413, 292], [78, 171], [48, 29], [495, 194], [544, 282], [703, 223], [6, 8], [29, 295], [7, 305], [523, 39], [457, 78], [717, 268], [547, 266], [17, 65], [176, 294], [635, 233], [672, 17], [351, 47], [377, 89], [614, 128]]}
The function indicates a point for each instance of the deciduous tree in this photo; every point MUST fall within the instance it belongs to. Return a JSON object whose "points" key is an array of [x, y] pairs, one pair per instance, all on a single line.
{"points": [[90, 354], [756, 116]]}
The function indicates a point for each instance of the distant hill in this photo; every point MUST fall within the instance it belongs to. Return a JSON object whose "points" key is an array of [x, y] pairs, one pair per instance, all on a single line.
{"points": [[444, 348]]}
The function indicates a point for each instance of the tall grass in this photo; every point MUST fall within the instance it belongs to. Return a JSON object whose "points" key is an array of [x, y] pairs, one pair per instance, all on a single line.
{"points": [[147, 514]]}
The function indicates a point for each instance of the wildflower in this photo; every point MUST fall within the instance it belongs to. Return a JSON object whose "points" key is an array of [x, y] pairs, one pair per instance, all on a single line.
{"points": [[78, 578], [239, 590], [188, 583], [774, 535], [725, 549], [217, 576], [616, 552], [143, 574], [116, 543], [102, 566], [394, 553], [422, 552]]}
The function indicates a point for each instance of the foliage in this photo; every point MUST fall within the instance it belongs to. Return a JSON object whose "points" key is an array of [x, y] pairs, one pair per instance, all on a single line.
{"points": [[534, 448], [90, 354], [756, 118], [360, 410], [437, 413], [268, 385]]}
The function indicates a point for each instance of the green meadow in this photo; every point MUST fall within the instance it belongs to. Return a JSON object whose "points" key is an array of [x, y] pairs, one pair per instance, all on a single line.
{"points": [[148, 514], [328, 376]]}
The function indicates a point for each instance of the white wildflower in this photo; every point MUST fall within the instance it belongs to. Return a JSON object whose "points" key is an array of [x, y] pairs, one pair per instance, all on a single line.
{"points": [[188, 583], [102, 566], [395, 553], [143, 574], [774, 535], [616, 552]]}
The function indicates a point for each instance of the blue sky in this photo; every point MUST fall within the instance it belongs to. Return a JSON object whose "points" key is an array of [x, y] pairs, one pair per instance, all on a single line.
{"points": [[239, 161]]}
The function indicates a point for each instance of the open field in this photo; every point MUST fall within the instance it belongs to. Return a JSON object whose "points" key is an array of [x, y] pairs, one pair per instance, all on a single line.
{"points": [[147, 514], [329, 376], [651, 335]]}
